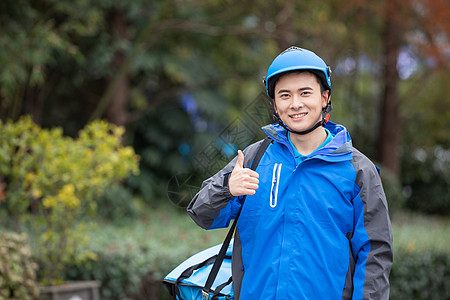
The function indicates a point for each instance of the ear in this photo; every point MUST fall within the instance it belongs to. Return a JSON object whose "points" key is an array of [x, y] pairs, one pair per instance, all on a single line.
{"points": [[325, 98], [275, 106]]}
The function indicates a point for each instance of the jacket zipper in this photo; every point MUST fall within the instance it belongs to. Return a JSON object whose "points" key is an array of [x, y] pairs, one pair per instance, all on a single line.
{"points": [[275, 183]]}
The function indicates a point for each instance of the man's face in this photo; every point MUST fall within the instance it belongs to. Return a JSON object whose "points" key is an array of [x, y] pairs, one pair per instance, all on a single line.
{"points": [[299, 101]]}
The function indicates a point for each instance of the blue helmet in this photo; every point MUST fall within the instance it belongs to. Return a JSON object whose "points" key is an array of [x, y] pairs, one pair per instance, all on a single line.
{"points": [[295, 58]]}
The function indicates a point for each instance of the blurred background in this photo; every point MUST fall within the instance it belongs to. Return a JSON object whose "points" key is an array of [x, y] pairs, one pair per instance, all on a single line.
{"points": [[113, 112]]}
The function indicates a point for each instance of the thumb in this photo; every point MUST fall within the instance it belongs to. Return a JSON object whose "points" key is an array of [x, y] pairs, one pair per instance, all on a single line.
{"points": [[240, 160]]}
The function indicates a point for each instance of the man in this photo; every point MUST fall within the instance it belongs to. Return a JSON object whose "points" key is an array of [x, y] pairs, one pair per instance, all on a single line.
{"points": [[315, 222]]}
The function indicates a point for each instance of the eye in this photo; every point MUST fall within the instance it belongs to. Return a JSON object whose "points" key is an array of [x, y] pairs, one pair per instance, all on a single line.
{"points": [[284, 95], [306, 93]]}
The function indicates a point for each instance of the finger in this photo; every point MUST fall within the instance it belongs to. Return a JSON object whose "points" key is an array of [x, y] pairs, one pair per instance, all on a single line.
{"points": [[253, 181], [253, 174], [240, 160], [251, 186], [249, 192], [250, 179], [249, 172]]}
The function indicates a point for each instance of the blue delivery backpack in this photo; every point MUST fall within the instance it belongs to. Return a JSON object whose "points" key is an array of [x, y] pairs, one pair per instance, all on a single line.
{"points": [[187, 280], [207, 274]]}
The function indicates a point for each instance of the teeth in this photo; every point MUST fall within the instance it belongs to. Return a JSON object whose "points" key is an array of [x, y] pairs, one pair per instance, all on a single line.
{"points": [[298, 115]]}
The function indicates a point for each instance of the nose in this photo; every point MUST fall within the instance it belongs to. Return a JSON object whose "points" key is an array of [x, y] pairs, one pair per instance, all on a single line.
{"points": [[297, 102]]}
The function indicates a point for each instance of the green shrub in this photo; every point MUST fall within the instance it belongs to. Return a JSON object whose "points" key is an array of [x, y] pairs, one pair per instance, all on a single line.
{"points": [[426, 173], [118, 202], [59, 179], [420, 275], [120, 274], [133, 255], [17, 270]]}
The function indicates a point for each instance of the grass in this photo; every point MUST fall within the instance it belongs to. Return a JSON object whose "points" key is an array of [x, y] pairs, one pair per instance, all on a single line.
{"points": [[413, 231]]}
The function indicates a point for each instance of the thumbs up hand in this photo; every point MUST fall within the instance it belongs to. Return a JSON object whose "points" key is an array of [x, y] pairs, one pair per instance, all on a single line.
{"points": [[242, 181]]}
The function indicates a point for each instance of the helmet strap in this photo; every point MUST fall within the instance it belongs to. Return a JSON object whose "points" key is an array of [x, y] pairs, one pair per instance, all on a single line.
{"points": [[318, 124]]}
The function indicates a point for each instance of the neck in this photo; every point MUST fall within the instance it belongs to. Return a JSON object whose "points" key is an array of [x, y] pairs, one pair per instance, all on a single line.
{"points": [[307, 143]]}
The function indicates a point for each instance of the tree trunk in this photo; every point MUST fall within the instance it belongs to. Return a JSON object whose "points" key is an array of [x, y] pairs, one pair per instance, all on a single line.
{"points": [[33, 102], [390, 123], [117, 110]]}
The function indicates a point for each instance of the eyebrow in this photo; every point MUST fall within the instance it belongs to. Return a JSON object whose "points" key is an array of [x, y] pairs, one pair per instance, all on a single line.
{"points": [[300, 90]]}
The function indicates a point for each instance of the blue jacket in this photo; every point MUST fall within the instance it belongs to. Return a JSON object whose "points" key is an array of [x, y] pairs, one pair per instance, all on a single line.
{"points": [[317, 230]]}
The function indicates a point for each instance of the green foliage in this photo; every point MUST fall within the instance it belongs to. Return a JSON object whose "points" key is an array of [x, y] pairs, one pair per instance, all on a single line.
{"points": [[426, 145], [35, 37], [120, 273], [17, 269], [393, 190], [59, 179], [421, 268], [427, 178], [133, 255], [118, 202], [418, 275], [426, 114]]}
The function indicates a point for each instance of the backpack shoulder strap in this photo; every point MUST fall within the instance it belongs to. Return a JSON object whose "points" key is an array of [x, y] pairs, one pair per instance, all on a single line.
{"points": [[259, 154], [223, 250]]}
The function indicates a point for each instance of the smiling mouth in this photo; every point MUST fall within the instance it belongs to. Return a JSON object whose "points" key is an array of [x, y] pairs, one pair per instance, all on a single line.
{"points": [[298, 116]]}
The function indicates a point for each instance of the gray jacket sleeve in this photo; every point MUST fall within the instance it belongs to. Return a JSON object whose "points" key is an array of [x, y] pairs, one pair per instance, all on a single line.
{"points": [[377, 225], [213, 204]]}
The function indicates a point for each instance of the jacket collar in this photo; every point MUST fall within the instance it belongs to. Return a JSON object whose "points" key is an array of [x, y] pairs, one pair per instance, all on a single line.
{"points": [[340, 147]]}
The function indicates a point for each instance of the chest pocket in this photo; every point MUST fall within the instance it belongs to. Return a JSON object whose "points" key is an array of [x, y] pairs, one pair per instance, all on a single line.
{"points": [[275, 184]]}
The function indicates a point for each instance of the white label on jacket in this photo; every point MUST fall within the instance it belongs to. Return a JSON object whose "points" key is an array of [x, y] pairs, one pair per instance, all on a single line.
{"points": [[275, 184]]}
